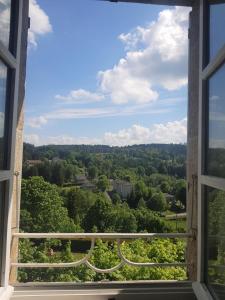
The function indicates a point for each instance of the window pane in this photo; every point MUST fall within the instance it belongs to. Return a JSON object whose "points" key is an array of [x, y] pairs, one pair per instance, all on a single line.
{"points": [[217, 25], [5, 21], [216, 145], [3, 83], [216, 241]]}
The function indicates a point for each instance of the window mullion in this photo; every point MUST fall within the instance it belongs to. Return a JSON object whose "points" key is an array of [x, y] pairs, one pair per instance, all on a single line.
{"points": [[215, 182], [7, 57], [214, 64], [5, 175]]}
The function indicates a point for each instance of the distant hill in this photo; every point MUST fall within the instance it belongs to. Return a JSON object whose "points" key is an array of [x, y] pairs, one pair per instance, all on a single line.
{"points": [[61, 151]]}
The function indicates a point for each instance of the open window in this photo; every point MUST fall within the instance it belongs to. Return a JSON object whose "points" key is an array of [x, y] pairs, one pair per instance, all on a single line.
{"points": [[206, 140]]}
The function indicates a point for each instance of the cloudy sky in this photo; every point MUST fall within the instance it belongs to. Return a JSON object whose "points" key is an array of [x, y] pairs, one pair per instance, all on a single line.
{"points": [[106, 73]]}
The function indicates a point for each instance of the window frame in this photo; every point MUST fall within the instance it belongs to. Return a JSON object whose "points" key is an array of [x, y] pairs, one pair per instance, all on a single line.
{"points": [[11, 56], [206, 69]]}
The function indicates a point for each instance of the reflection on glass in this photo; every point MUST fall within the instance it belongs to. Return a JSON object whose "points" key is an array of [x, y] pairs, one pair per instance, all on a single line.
{"points": [[216, 241], [217, 25], [216, 145], [3, 79], [5, 21]]}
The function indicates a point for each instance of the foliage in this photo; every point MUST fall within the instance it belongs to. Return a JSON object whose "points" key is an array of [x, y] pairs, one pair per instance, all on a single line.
{"points": [[103, 183], [157, 202], [105, 256], [99, 215], [42, 208], [181, 191], [54, 201], [78, 202]]}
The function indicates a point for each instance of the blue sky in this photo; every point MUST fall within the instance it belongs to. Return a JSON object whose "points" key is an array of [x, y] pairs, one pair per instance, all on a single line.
{"points": [[101, 72]]}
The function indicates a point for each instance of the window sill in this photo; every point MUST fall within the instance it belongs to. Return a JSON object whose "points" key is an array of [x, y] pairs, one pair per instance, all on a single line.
{"points": [[6, 292], [103, 291]]}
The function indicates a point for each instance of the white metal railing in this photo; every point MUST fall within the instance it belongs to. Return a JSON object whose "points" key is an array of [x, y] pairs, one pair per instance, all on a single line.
{"points": [[118, 237]]}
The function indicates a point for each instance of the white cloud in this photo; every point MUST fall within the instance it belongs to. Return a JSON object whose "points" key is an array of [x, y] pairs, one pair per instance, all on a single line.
{"points": [[68, 140], [37, 122], [122, 87], [159, 61], [33, 139], [36, 140], [87, 113], [5, 21], [39, 23], [80, 96], [171, 132]]}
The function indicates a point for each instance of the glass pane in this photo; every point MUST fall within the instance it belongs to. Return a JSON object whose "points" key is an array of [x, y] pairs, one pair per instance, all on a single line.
{"points": [[216, 145], [5, 21], [3, 83], [217, 25], [216, 241]]}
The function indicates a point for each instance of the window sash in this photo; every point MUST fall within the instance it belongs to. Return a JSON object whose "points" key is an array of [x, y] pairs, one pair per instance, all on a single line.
{"points": [[206, 69], [11, 57]]}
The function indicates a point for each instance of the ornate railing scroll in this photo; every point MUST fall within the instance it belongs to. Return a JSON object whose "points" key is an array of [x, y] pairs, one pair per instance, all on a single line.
{"points": [[119, 237]]}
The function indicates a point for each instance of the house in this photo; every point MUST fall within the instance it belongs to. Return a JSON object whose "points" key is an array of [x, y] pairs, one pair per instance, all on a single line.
{"points": [[122, 187], [88, 186], [32, 163], [180, 216], [84, 183], [81, 180]]}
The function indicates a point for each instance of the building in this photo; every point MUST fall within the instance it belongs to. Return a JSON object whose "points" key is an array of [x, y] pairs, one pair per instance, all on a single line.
{"points": [[180, 216], [206, 127], [88, 186], [122, 187], [84, 183], [32, 163], [81, 180]]}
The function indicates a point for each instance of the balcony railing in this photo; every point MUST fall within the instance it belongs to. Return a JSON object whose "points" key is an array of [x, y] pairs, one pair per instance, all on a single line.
{"points": [[118, 237]]}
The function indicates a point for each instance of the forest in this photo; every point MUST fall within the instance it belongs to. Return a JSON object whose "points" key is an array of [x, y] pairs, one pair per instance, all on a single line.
{"points": [[84, 188]]}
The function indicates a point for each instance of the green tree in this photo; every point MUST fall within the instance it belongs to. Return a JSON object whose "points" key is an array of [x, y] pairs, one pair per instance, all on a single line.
{"points": [[42, 208], [157, 202], [69, 173], [78, 202], [44, 170], [165, 187], [181, 191], [141, 203], [99, 215], [103, 183], [92, 172], [123, 219], [58, 173], [116, 199], [149, 221]]}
